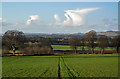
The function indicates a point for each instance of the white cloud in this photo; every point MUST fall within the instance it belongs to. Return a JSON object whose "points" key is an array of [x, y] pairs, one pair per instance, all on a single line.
{"points": [[32, 19], [0, 19], [57, 18], [82, 11], [67, 21], [74, 17]]}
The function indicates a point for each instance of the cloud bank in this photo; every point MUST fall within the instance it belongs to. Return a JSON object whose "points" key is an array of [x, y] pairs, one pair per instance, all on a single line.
{"points": [[74, 17]]}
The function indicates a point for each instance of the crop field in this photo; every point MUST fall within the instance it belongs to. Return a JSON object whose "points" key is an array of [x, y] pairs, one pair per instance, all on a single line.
{"points": [[82, 65], [67, 47]]}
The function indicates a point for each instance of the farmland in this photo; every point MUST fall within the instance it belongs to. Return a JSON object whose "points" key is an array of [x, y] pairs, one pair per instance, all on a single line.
{"points": [[82, 65], [67, 47]]}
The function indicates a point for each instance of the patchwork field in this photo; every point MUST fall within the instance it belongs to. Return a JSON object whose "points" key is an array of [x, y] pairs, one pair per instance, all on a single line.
{"points": [[61, 66]]}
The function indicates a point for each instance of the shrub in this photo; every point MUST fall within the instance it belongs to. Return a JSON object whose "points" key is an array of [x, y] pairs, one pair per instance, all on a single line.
{"points": [[45, 50], [36, 50]]}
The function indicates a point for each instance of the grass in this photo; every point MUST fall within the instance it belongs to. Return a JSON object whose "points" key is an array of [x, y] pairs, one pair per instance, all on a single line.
{"points": [[17, 51], [80, 65], [67, 47]]}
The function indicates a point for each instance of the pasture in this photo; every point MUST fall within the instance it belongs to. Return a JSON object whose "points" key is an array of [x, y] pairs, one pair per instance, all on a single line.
{"points": [[67, 47], [79, 65]]}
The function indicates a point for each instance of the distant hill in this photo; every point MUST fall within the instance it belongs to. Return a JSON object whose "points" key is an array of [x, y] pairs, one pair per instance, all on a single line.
{"points": [[108, 33], [59, 35]]}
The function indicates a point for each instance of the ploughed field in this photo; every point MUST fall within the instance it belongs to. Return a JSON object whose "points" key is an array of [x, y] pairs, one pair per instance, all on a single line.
{"points": [[80, 65]]}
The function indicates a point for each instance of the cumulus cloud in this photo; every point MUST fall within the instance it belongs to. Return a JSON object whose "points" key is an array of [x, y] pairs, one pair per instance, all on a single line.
{"points": [[75, 17], [32, 19], [67, 21]]}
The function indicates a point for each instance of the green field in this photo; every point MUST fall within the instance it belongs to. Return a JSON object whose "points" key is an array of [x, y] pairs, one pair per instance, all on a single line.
{"points": [[17, 51], [67, 47], [82, 65]]}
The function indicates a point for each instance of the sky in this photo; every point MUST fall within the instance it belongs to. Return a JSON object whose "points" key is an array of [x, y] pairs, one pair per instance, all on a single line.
{"points": [[59, 17]]}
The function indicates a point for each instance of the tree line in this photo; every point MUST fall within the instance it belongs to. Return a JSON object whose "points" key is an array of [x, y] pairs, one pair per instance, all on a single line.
{"points": [[91, 40], [16, 40]]}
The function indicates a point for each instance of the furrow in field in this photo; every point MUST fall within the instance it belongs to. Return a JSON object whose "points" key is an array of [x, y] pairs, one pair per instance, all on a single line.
{"points": [[70, 72], [44, 72], [59, 75]]}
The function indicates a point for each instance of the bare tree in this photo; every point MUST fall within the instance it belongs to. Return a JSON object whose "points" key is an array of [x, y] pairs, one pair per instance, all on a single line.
{"points": [[90, 38], [116, 42], [46, 43], [102, 43], [36, 50], [45, 50], [82, 43], [74, 43]]}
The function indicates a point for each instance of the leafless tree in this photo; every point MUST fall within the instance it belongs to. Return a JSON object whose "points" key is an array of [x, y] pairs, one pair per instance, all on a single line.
{"points": [[90, 38], [74, 43], [102, 43], [116, 42], [82, 43]]}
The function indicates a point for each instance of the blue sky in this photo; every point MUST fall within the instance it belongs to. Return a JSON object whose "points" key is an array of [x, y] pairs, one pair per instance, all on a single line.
{"points": [[49, 17]]}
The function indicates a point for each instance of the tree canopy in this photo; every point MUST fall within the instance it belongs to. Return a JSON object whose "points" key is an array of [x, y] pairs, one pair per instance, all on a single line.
{"points": [[13, 39]]}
